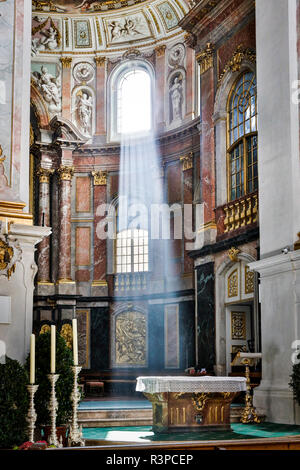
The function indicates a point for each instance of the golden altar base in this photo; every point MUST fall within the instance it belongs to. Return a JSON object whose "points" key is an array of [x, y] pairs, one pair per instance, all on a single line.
{"points": [[179, 412]]}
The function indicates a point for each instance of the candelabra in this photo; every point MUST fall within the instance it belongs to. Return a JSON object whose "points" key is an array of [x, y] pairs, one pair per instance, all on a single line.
{"points": [[53, 405], [249, 414], [75, 435], [31, 416]]}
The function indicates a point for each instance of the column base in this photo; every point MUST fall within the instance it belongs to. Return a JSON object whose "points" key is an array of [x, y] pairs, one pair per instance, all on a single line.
{"points": [[277, 405], [45, 288], [66, 287], [99, 289]]}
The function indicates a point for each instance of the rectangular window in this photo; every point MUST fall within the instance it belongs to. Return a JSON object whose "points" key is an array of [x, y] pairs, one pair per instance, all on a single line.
{"points": [[236, 165], [252, 175]]}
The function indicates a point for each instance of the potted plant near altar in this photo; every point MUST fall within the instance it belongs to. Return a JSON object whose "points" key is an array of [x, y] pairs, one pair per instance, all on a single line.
{"points": [[14, 401], [63, 388]]}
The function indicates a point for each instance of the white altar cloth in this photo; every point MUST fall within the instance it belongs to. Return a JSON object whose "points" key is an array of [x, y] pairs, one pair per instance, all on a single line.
{"points": [[178, 384]]}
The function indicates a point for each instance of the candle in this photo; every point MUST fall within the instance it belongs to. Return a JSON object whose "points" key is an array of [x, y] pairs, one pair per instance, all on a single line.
{"points": [[5, 227], [52, 362], [32, 360], [75, 343]]}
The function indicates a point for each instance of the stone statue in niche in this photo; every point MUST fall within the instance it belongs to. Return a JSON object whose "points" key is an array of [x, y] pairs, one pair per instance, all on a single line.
{"points": [[47, 42], [176, 99], [84, 111], [50, 87]]}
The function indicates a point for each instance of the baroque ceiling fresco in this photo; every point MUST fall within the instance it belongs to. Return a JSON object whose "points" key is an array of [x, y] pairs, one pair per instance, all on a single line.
{"points": [[73, 6]]}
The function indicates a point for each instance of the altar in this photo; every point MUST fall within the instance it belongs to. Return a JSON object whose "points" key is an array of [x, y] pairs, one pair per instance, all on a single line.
{"points": [[190, 403]]}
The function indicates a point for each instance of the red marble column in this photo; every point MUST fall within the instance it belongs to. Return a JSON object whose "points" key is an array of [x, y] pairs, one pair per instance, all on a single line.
{"points": [[160, 87], [101, 86], [64, 259], [190, 83], [100, 197], [66, 87], [44, 220], [207, 170]]}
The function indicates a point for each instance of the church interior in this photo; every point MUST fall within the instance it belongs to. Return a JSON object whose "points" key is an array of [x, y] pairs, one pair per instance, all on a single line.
{"points": [[149, 208]]}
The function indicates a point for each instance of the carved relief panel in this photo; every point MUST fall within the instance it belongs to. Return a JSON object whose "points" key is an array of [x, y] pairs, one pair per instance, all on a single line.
{"points": [[130, 339]]}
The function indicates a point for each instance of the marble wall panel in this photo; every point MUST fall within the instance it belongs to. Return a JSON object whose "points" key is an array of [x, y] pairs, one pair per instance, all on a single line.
{"points": [[83, 246], [83, 194], [83, 328]]}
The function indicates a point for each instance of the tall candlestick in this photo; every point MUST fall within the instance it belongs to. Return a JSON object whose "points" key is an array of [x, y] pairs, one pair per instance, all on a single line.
{"points": [[32, 360], [52, 363], [75, 342]]}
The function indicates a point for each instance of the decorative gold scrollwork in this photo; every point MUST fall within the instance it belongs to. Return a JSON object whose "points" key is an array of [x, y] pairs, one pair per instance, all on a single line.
{"points": [[6, 256], [199, 400]]}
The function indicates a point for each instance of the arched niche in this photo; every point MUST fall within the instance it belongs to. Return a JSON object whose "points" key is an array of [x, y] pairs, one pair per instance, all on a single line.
{"points": [[176, 97]]}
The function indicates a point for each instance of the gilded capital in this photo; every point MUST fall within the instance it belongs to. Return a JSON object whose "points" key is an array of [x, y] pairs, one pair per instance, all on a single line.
{"points": [[205, 58], [100, 178], [44, 175], [160, 50], [66, 62], [233, 254], [187, 161], [100, 61], [65, 173]]}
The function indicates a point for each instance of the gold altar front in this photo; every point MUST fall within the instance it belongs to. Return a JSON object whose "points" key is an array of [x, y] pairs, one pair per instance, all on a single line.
{"points": [[175, 412]]}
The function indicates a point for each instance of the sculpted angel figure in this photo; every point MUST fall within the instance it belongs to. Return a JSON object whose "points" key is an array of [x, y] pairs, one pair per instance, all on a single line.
{"points": [[84, 107], [48, 41], [176, 98], [49, 87]]}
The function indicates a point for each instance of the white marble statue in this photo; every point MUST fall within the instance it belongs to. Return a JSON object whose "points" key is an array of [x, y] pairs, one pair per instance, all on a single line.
{"points": [[176, 99], [50, 87], [84, 109], [47, 42]]}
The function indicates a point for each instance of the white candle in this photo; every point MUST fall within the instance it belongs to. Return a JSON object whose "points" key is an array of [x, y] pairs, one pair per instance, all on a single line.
{"points": [[75, 342], [53, 346], [32, 360]]}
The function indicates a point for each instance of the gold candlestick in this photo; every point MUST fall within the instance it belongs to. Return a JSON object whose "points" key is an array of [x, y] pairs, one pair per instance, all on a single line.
{"points": [[53, 405], [75, 435], [249, 414], [31, 416]]}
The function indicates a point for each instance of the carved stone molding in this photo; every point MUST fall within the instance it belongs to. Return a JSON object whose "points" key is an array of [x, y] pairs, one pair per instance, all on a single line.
{"points": [[187, 161], [190, 40], [44, 175], [100, 178], [205, 58], [65, 173], [66, 62], [234, 64]]}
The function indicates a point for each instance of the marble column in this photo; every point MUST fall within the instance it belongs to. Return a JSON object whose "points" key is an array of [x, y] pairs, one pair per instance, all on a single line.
{"points": [[101, 87], [208, 227], [160, 87], [279, 214], [44, 221], [66, 87], [190, 84], [99, 284], [64, 260]]}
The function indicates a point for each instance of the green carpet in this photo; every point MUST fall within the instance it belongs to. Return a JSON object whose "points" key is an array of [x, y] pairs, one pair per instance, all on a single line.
{"points": [[145, 434]]}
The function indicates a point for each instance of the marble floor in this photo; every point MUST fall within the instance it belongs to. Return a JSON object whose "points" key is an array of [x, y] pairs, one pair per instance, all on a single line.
{"points": [[144, 434]]}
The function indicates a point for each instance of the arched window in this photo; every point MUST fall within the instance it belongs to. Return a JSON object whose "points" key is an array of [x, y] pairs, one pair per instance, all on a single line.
{"points": [[242, 137], [132, 251], [131, 99]]}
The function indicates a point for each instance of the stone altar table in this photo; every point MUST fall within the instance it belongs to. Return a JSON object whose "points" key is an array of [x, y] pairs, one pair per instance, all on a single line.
{"points": [[190, 403]]}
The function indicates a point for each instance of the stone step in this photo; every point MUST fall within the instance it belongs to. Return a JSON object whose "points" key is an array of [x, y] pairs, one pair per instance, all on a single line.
{"points": [[137, 417]]}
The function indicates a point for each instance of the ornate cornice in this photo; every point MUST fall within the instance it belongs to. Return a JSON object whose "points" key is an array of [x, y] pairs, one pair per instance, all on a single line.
{"points": [[65, 173], [241, 54], [205, 58], [100, 178]]}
